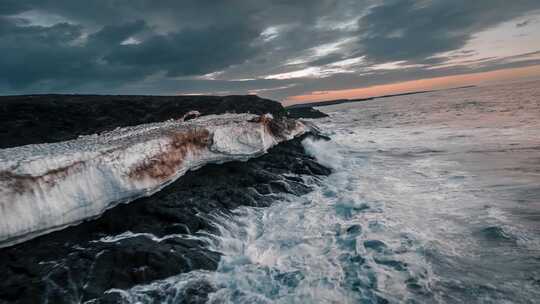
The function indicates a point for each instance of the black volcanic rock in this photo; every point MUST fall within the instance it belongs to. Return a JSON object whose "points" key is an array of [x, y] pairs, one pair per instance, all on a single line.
{"points": [[305, 112], [79, 263], [32, 119], [82, 262]]}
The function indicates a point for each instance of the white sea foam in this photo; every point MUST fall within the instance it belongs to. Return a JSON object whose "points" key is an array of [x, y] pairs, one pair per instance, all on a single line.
{"points": [[422, 207]]}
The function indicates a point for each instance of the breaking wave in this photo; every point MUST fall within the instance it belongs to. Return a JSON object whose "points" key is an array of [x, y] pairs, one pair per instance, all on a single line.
{"points": [[428, 202], [312, 249]]}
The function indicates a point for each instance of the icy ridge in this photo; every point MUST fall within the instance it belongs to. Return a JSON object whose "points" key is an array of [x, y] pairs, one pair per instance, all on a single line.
{"points": [[46, 187]]}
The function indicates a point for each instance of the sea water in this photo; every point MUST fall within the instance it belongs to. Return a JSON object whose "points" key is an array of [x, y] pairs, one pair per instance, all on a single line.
{"points": [[434, 198]]}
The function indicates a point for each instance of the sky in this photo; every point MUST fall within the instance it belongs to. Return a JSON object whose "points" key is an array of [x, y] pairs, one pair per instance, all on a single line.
{"points": [[288, 50]]}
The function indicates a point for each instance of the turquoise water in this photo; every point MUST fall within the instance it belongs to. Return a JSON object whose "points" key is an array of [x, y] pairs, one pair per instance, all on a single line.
{"points": [[435, 198]]}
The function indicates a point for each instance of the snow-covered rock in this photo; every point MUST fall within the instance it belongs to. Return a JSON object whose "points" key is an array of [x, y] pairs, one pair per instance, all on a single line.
{"points": [[46, 187]]}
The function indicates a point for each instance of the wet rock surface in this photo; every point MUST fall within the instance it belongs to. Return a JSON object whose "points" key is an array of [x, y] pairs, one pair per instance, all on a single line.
{"points": [[147, 239]]}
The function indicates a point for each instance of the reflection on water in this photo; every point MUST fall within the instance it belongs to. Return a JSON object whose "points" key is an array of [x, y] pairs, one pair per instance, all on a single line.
{"points": [[434, 198]]}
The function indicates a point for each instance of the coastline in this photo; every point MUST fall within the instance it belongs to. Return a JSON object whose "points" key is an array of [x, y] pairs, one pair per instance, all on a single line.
{"points": [[157, 236]]}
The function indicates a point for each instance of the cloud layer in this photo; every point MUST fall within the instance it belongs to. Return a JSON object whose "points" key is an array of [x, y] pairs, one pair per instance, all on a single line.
{"points": [[275, 48]]}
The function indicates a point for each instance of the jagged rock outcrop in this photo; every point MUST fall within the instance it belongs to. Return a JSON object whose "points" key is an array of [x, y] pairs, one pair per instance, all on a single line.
{"points": [[32, 119], [82, 262]]}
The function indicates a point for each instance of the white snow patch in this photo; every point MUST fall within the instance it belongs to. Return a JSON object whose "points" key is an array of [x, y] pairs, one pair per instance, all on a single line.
{"points": [[47, 187]]}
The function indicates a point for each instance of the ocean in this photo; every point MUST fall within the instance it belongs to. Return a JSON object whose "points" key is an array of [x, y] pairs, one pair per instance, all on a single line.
{"points": [[434, 198]]}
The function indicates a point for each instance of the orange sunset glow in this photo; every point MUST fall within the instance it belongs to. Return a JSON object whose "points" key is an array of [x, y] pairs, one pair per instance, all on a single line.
{"points": [[420, 85]]}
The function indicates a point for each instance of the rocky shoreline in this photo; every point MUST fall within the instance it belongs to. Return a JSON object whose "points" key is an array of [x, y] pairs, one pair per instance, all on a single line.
{"points": [[147, 239], [33, 119]]}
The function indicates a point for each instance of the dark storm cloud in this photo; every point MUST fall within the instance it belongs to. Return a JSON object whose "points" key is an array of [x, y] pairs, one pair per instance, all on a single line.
{"points": [[60, 55], [190, 51], [330, 58], [413, 30], [523, 24], [115, 34], [165, 47], [9, 7], [52, 55], [176, 37]]}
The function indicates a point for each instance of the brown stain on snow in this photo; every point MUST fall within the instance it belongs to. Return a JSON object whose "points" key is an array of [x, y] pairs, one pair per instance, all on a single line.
{"points": [[278, 128], [161, 166], [20, 183], [166, 164]]}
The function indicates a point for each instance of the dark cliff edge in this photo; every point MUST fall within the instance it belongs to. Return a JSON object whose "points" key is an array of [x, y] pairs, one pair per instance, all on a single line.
{"points": [[32, 119], [79, 264], [305, 112]]}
